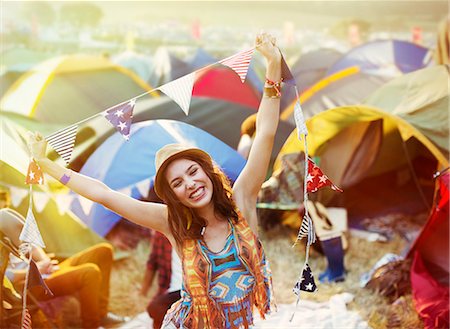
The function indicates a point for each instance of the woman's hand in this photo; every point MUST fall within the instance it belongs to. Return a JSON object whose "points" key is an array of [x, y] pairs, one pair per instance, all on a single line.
{"points": [[266, 45], [37, 145]]}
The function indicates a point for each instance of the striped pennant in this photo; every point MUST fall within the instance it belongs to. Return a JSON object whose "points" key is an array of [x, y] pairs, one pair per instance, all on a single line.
{"points": [[299, 120], [26, 319], [63, 141], [180, 90], [30, 231], [307, 230], [239, 62]]}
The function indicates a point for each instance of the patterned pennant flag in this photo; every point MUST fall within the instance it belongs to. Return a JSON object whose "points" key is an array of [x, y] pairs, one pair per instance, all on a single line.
{"points": [[180, 90], [299, 120], [120, 116], [317, 179], [307, 230], [306, 281], [34, 174], [35, 279], [239, 62], [286, 74], [30, 231], [26, 319], [63, 141]]}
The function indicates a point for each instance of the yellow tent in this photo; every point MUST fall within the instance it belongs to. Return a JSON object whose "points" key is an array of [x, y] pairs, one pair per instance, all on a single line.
{"points": [[70, 88]]}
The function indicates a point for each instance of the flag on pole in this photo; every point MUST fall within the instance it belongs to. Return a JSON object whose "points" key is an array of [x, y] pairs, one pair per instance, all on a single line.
{"points": [[239, 62], [34, 174], [306, 281], [63, 141], [30, 231], [180, 90], [120, 116], [317, 179]]}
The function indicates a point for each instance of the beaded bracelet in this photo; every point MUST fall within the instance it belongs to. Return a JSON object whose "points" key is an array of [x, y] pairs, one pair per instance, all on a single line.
{"points": [[274, 88]]}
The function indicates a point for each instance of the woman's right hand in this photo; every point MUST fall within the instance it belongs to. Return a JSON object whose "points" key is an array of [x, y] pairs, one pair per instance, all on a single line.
{"points": [[37, 145]]}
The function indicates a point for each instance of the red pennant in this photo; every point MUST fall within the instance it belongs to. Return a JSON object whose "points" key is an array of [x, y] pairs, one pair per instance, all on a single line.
{"points": [[317, 179], [34, 174]]}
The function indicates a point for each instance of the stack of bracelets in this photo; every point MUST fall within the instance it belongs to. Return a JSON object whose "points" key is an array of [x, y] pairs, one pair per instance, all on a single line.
{"points": [[272, 89]]}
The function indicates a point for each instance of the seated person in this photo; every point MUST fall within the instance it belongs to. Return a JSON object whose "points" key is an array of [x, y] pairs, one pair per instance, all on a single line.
{"points": [[86, 273], [166, 262]]}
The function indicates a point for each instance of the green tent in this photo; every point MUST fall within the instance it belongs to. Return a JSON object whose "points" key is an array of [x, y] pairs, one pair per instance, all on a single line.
{"points": [[384, 154], [64, 234]]}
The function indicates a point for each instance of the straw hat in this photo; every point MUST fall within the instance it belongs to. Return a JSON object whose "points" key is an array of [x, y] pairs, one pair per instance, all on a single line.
{"points": [[166, 155]]}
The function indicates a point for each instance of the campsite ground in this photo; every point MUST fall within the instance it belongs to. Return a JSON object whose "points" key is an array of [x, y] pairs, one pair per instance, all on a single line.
{"points": [[285, 263]]}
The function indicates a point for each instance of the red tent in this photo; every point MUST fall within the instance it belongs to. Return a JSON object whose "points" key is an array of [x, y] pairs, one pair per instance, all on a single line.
{"points": [[222, 83], [430, 268]]}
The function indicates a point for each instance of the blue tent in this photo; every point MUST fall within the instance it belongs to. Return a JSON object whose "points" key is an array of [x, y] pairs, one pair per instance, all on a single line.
{"points": [[385, 57], [128, 166]]}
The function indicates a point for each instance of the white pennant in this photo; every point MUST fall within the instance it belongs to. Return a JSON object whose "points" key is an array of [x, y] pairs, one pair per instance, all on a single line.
{"points": [[239, 62], [143, 187], [180, 90], [40, 200], [86, 204], [126, 190], [63, 141], [63, 201], [17, 195], [299, 120], [30, 232]]}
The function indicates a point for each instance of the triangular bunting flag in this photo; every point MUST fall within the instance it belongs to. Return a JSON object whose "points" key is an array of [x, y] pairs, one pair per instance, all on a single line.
{"points": [[63, 201], [35, 279], [126, 190], [180, 90], [286, 73], [63, 141], [317, 179], [17, 195], [30, 231], [239, 62], [307, 230], [121, 116], [143, 187], [305, 282], [299, 120], [40, 200], [34, 174]]}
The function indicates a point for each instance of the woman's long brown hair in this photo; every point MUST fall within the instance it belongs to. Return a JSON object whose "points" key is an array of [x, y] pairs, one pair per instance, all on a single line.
{"points": [[180, 215]]}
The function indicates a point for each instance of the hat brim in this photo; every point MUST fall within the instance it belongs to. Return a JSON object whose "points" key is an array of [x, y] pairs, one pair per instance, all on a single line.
{"points": [[159, 177]]}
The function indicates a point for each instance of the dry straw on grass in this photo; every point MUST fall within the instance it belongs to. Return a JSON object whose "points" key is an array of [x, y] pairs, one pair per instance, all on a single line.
{"points": [[286, 262]]}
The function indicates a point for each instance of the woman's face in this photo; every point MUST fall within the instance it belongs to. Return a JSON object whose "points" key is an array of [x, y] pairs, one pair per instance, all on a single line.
{"points": [[189, 182]]}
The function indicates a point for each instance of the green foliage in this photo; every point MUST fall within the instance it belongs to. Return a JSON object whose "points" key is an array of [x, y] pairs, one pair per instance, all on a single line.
{"points": [[40, 12], [81, 14]]}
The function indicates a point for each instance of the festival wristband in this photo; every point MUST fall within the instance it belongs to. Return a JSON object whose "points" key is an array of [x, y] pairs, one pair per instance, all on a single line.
{"points": [[65, 178]]}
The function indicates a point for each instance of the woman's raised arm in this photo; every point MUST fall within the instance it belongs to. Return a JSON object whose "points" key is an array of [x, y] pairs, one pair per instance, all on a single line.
{"points": [[254, 173], [148, 214]]}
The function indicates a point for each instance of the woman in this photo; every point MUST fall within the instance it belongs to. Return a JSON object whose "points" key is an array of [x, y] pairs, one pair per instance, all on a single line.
{"points": [[212, 227]]}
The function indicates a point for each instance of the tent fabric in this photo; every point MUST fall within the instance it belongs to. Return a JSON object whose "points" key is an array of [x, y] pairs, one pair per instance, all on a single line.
{"points": [[120, 164], [223, 83], [167, 67], [140, 64], [385, 57], [71, 88], [422, 99], [64, 234], [201, 59], [430, 268]]}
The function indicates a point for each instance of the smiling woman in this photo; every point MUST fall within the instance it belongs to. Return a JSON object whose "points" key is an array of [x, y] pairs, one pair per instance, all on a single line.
{"points": [[212, 226]]}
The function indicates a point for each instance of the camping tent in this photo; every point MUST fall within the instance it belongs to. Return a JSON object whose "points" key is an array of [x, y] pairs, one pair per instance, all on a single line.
{"points": [[430, 268], [222, 83], [385, 57], [128, 166], [349, 86], [167, 67], [140, 64], [70, 88], [64, 234], [373, 153]]}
